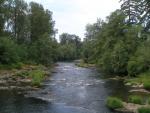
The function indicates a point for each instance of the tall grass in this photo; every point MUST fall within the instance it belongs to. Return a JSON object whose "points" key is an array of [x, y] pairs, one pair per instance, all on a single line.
{"points": [[114, 103]]}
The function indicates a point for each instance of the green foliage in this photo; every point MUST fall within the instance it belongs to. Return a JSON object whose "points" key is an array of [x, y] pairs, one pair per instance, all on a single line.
{"points": [[67, 52], [8, 51], [37, 77], [141, 7], [41, 51], [32, 34], [144, 110], [41, 21], [140, 62], [115, 45], [141, 79], [70, 47], [135, 99], [146, 85], [114, 103]]}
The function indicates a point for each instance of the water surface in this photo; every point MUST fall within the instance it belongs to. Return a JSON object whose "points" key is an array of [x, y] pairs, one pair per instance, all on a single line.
{"points": [[70, 89]]}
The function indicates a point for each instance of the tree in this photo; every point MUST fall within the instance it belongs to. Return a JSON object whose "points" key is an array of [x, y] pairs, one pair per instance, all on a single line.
{"points": [[41, 21], [70, 44], [138, 12], [93, 29], [89, 44]]}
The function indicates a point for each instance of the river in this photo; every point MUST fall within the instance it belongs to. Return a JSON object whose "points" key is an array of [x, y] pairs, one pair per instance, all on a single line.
{"points": [[70, 89]]}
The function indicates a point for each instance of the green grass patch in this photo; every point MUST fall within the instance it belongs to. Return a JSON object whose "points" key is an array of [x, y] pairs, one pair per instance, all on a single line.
{"points": [[141, 79], [144, 110], [135, 99], [37, 77], [114, 103]]}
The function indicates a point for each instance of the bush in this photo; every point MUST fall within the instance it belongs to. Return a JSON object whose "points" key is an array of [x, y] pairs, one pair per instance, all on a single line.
{"points": [[135, 99], [42, 51], [136, 66], [114, 103], [144, 110], [140, 62], [147, 85], [37, 77], [8, 51], [17, 65]]}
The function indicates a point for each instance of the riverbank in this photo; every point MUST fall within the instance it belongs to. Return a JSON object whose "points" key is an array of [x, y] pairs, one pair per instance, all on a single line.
{"points": [[28, 77], [139, 92], [139, 99]]}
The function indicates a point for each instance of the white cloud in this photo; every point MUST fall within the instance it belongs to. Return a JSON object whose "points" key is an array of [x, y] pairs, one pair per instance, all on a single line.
{"points": [[72, 15]]}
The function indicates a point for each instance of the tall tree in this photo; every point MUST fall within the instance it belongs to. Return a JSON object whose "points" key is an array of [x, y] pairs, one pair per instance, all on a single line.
{"points": [[16, 20], [138, 11], [41, 21]]}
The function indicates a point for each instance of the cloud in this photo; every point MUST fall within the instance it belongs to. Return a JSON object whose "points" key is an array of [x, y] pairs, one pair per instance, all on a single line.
{"points": [[72, 15]]}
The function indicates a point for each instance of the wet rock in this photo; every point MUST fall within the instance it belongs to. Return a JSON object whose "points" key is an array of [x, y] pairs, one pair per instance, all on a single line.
{"points": [[140, 91]]}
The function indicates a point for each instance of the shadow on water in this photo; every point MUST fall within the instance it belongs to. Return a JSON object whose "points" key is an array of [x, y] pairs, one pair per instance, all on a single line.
{"points": [[70, 89]]}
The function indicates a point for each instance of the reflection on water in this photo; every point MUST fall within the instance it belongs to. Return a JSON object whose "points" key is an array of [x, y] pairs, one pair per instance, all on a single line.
{"points": [[70, 89]]}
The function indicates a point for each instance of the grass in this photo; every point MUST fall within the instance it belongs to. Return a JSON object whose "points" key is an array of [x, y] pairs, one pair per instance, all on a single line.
{"points": [[114, 103], [135, 99], [143, 78], [37, 77], [144, 110]]}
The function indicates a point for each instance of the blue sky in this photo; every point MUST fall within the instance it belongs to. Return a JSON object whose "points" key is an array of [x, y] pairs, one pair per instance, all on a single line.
{"points": [[71, 16]]}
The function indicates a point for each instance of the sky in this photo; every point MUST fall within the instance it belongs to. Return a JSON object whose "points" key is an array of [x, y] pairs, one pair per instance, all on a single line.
{"points": [[71, 16]]}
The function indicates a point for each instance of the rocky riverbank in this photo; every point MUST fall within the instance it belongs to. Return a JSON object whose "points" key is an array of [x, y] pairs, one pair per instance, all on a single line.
{"points": [[17, 79]]}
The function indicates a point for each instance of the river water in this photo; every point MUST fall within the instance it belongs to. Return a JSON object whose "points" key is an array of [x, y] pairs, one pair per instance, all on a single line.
{"points": [[70, 89]]}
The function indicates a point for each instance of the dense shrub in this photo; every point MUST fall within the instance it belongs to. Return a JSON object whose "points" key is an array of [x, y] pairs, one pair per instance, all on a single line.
{"points": [[42, 51], [37, 77], [140, 62], [135, 99], [8, 51], [144, 110], [114, 103], [67, 52]]}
